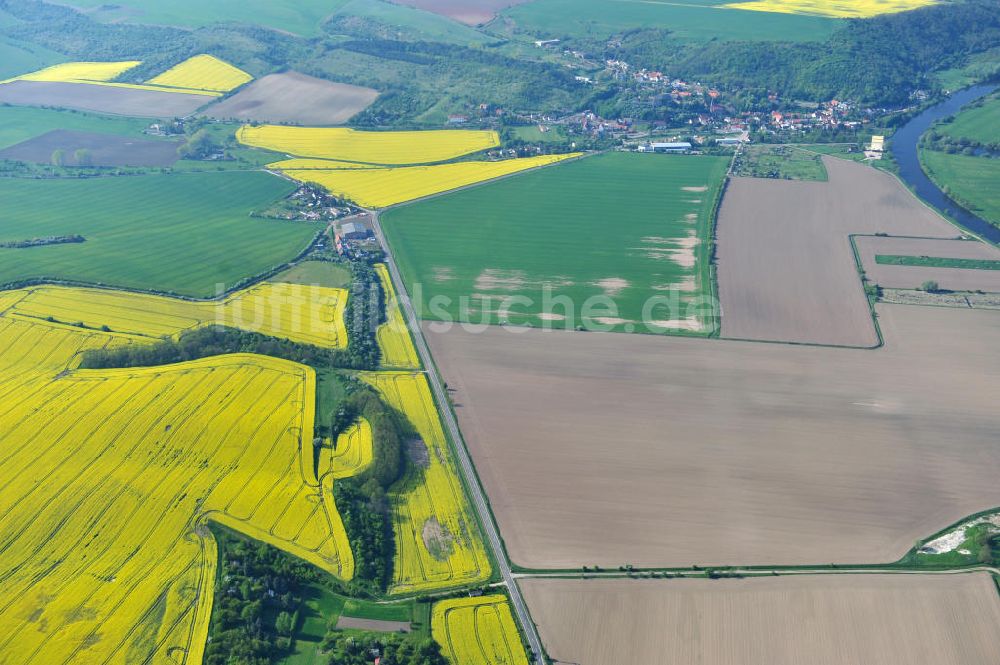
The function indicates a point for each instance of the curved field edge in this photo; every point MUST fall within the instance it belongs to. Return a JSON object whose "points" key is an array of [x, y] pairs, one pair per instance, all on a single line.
{"points": [[438, 540], [56, 353], [477, 631]]}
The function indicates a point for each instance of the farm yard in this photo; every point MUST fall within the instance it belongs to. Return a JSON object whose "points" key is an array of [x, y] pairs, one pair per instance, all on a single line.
{"points": [[824, 620], [136, 246], [912, 277], [478, 631], [742, 453], [560, 230], [786, 268], [296, 98]]}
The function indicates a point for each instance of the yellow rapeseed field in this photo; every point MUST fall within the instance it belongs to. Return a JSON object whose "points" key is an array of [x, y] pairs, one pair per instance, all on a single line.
{"points": [[380, 188], [393, 336], [108, 474], [477, 631], [353, 450], [438, 542], [832, 8], [108, 477], [202, 72], [368, 147], [309, 163], [301, 313], [79, 72]]}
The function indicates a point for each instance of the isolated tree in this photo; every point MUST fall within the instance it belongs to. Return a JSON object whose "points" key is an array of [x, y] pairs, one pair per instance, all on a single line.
{"points": [[284, 624], [930, 286], [58, 157]]}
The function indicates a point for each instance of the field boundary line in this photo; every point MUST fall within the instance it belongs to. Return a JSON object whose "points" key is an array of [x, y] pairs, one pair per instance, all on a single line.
{"points": [[466, 466]]}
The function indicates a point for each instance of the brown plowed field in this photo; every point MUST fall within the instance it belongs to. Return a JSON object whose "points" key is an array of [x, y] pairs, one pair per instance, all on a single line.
{"points": [[793, 620], [611, 449], [785, 266], [104, 149], [470, 12], [911, 277], [102, 99], [296, 98]]}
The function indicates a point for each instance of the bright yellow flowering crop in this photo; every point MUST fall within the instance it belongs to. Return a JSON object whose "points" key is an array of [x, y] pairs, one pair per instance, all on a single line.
{"points": [[353, 451], [393, 336], [368, 147], [380, 188], [202, 72], [108, 477], [832, 8], [438, 542], [79, 72], [306, 314], [477, 631]]}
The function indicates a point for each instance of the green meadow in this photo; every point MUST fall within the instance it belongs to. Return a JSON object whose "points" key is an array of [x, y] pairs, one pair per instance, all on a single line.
{"points": [[694, 20], [972, 181], [616, 230], [182, 233], [978, 122], [303, 17]]}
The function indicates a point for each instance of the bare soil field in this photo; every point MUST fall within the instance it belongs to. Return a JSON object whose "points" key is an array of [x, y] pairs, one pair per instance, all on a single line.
{"points": [[104, 149], [662, 451], [911, 277], [373, 624], [470, 12], [785, 267], [820, 620], [101, 99], [296, 98]]}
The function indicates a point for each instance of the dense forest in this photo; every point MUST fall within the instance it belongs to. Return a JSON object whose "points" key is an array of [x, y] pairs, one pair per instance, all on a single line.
{"points": [[258, 607], [362, 500]]}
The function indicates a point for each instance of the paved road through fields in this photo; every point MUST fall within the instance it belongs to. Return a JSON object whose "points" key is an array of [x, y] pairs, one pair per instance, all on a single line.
{"points": [[465, 462]]}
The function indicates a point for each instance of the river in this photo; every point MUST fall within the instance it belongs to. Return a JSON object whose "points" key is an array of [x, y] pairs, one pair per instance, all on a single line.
{"points": [[904, 149]]}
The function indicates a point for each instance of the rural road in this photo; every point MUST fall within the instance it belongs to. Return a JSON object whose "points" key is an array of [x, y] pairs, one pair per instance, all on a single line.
{"points": [[465, 462]]}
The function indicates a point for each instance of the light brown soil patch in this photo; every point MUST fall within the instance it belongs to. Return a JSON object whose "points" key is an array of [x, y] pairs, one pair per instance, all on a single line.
{"points": [[786, 269], [102, 99], [416, 451], [500, 280], [436, 538], [296, 98], [820, 620], [470, 12], [911, 277], [373, 624], [612, 286], [609, 449]]}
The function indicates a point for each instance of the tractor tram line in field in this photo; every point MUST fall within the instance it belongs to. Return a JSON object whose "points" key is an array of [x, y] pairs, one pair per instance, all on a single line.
{"points": [[466, 466]]}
